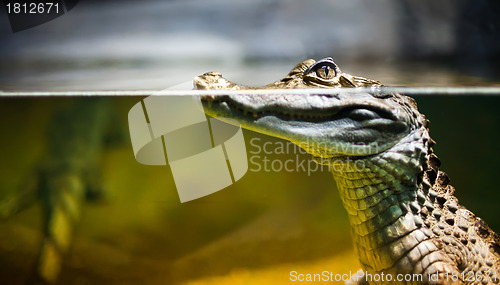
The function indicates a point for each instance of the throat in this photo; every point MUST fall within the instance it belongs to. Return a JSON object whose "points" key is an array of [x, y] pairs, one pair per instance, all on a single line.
{"points": [[380, 194]]}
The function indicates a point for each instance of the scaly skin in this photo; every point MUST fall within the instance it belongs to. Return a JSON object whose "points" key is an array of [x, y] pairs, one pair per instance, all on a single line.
{"points": [[403, 215]]}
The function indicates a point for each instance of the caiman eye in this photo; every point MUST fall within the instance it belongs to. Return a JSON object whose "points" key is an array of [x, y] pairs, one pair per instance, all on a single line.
{"points": [[325, 72], [324, 69]]}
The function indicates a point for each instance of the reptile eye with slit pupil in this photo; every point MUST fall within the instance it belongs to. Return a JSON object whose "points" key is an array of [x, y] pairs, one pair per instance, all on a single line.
{"points": [[325, 72], [324, 69]]}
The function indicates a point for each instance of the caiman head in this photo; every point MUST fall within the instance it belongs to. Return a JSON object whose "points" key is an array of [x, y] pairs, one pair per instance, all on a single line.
{"points": [[401, 208], [325, 125]]}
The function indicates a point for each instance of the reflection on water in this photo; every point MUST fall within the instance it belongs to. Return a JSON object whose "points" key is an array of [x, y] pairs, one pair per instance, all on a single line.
{"points": [[130, 75], [257, 230]]}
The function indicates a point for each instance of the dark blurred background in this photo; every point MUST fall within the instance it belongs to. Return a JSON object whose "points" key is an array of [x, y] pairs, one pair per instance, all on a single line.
{"points": [[268, 223], [152, 44]]}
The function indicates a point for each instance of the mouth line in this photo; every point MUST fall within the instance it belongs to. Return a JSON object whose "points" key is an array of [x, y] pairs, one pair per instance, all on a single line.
{"points": [[304, 115]]}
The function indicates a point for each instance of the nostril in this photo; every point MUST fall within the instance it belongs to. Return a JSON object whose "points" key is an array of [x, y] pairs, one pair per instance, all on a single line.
{"points": [[206, 80], [199, 84]]}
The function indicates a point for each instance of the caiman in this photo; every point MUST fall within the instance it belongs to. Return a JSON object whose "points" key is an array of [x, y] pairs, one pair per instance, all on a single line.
{"points": [[404, 217]]}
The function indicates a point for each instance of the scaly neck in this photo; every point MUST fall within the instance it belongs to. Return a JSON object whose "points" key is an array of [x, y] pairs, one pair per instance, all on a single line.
{"points": [[378, 193]]}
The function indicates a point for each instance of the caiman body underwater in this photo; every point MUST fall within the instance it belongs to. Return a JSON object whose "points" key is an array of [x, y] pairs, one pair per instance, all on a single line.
{"points": [[404, 217]]}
